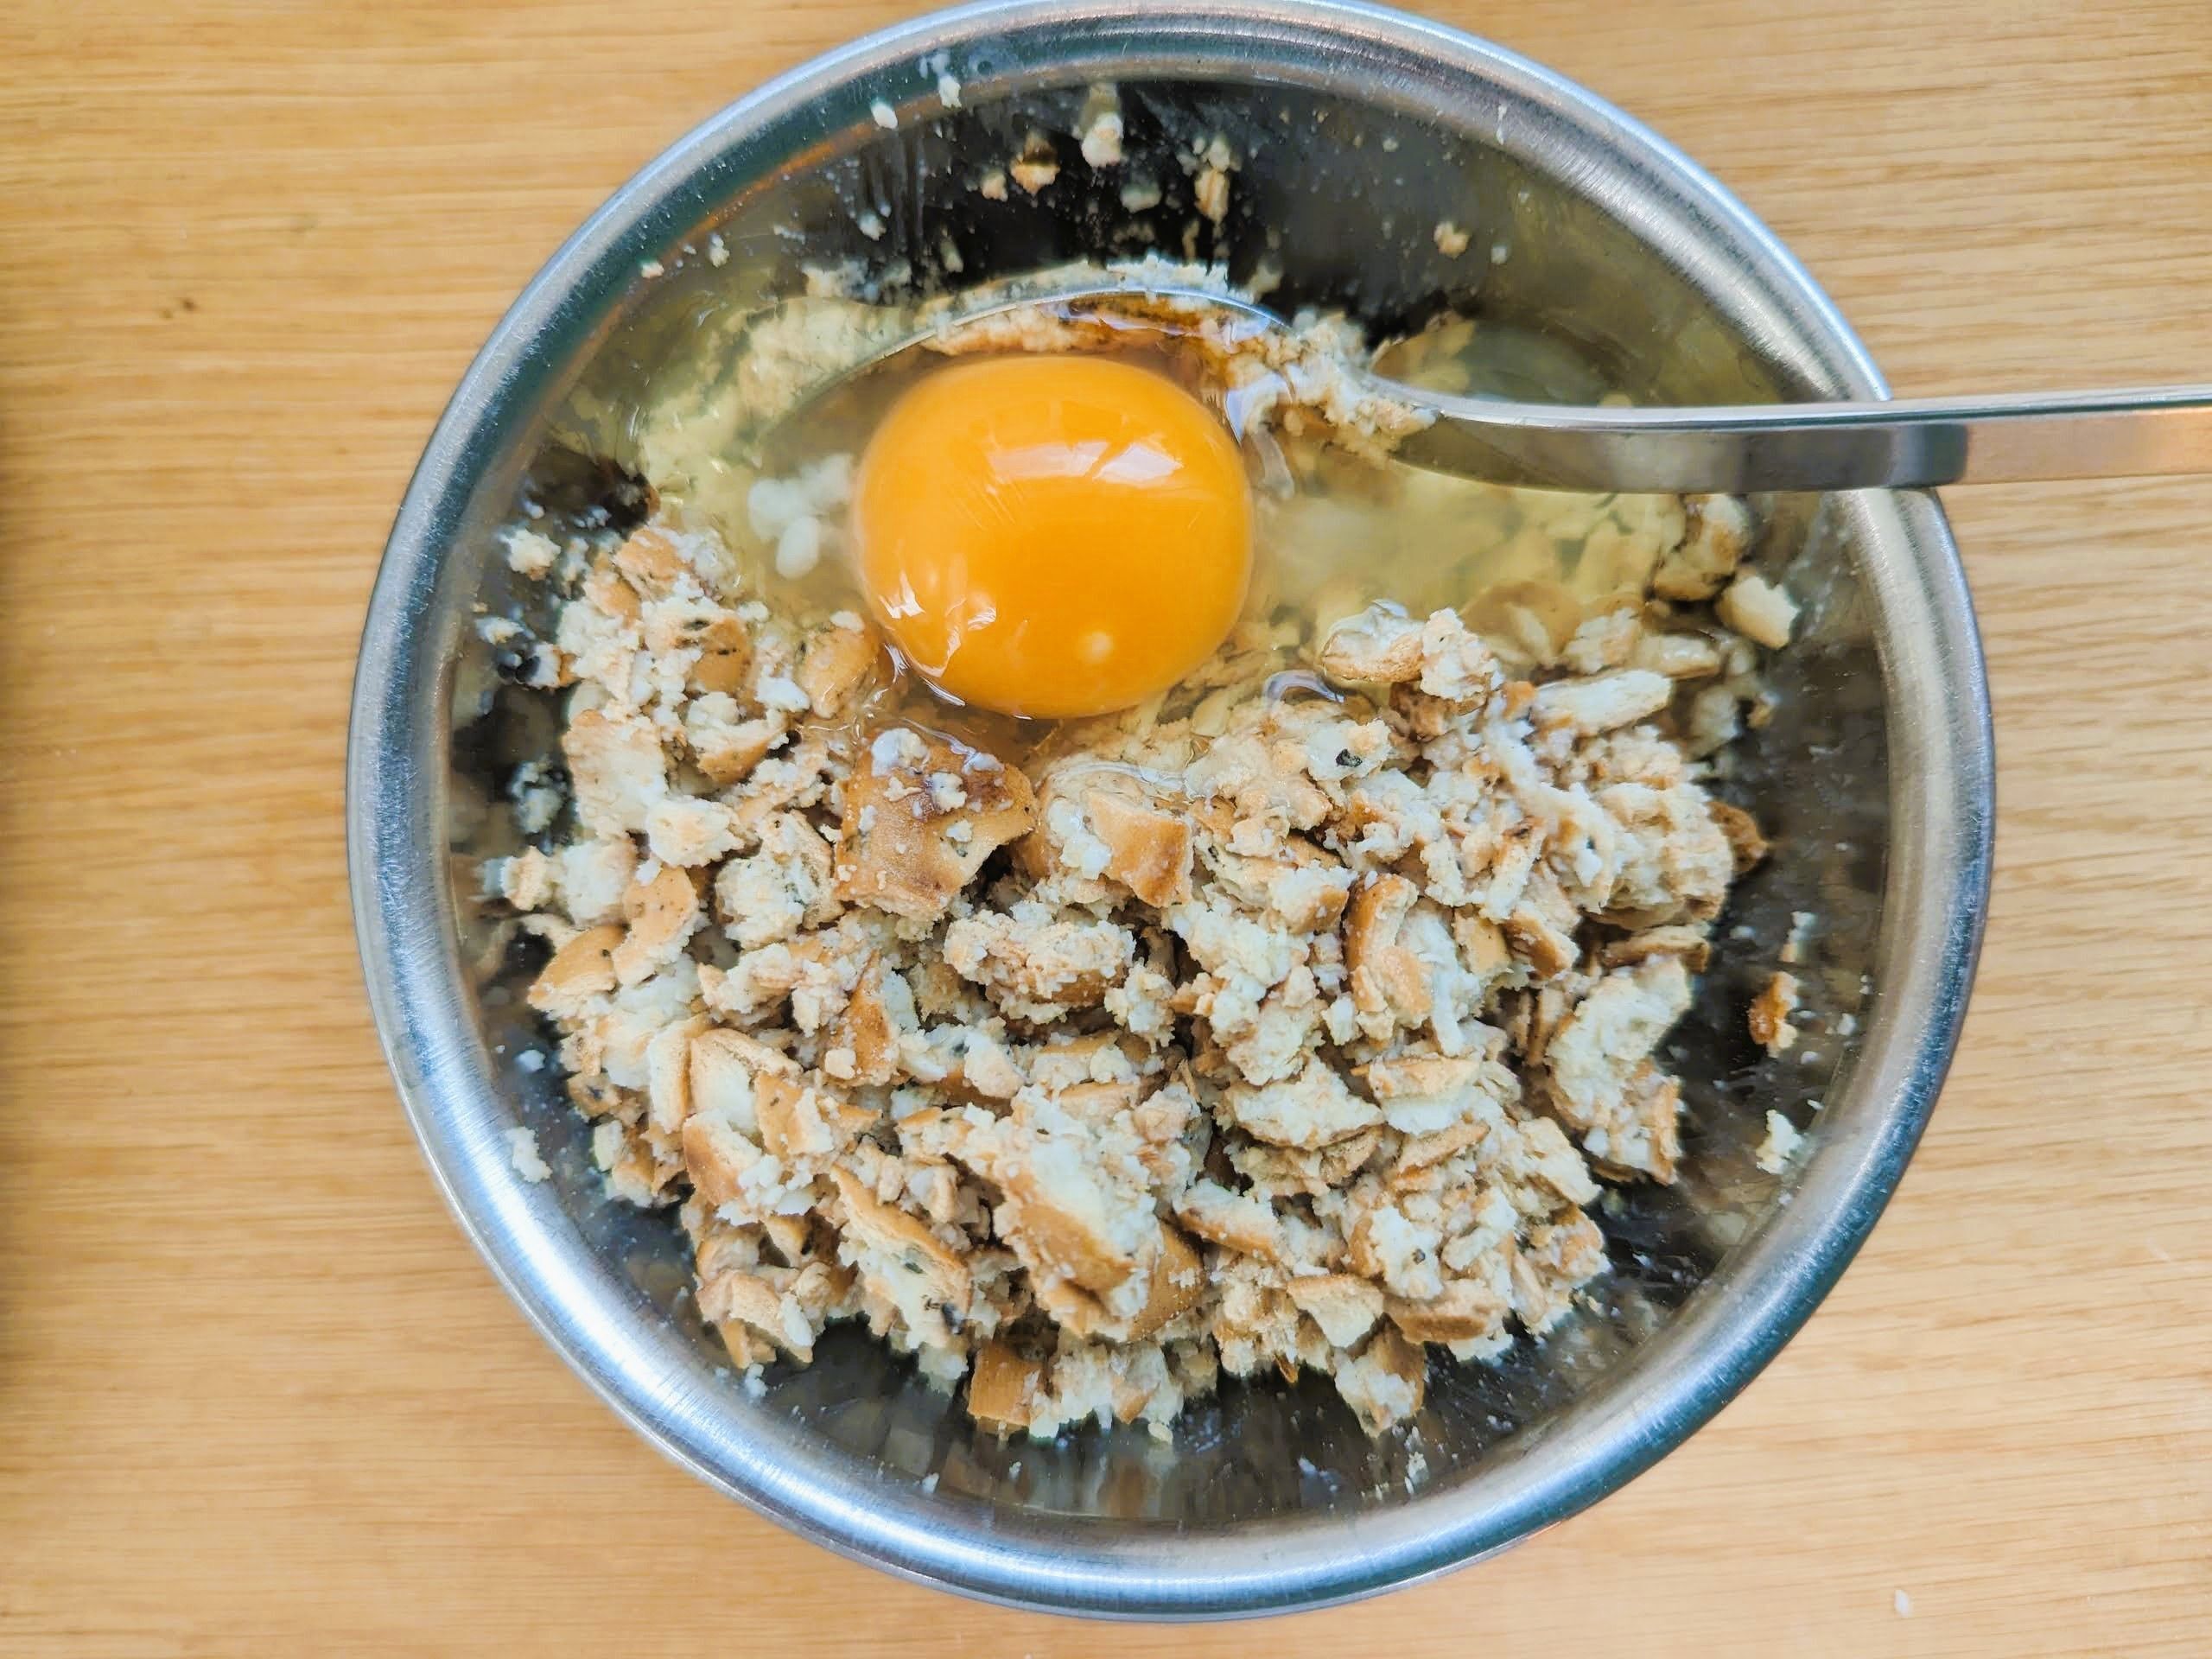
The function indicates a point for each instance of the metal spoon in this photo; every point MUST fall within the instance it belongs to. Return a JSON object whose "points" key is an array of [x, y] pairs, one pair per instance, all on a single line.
{"points": [[1905, 443]]}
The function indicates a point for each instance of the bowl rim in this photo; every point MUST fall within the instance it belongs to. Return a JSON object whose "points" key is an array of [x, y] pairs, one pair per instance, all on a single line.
{"points": [[1942, 790]]}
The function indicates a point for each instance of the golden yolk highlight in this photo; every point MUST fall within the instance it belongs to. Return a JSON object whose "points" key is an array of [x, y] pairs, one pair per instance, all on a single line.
{"points": [[1052, 536]]}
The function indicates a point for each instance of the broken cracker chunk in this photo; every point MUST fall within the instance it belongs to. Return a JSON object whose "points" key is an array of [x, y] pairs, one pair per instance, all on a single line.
{"points": [[1178, 1285], [911, 840], [1345, 1306], [581, 970], [663, 911], [1148, 851], [839, 664], [1386, 1384], [1002, 1387], [1769, 1014], [1469, 1308], [1386, 978], [1312, 1109], [619, 771], [1758, 610], [1378, 646]]}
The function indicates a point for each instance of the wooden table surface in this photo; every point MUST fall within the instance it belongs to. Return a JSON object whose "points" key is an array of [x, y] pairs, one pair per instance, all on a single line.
{"points": [[256, 1395]]}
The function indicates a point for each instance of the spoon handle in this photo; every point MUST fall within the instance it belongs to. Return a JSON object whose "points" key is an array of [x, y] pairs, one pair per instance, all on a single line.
{"points": [[1910, 442]]}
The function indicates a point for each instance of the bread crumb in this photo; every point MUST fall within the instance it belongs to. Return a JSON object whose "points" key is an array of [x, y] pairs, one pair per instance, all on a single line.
{"points": [[1211, 191], [1769, 1014], [523, 1154], [1037, 167], [1783, 1139], [1758, 610], [1101, 126]]}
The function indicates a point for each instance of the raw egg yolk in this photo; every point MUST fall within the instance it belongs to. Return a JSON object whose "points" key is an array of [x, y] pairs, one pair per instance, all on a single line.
{"points": [[1052, 536]]}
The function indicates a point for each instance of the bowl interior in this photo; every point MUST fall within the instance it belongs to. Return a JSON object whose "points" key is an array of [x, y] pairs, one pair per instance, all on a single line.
{"points": [[1342, 176]]}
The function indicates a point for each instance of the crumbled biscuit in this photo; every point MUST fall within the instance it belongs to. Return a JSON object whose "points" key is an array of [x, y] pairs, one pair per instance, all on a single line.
{"points": [[1769, 1014], [1386, 1384], [1783, 1139], [838, 667], [1746, 845], [1344, 1305], [1596, 1059], [1002, 1387], [1680, 939], [618, 768], [579, 971], [663, 910], [1148, 851], [1603, 702], [1717, 531], [1758, 610], [1378, 646], [1035, 965], [1310, 1110], [1467, 1308], [898, 850]]}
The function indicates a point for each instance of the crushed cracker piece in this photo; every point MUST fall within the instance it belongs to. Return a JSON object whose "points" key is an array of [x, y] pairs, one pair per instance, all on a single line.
{"points": [[1769, 1014]]}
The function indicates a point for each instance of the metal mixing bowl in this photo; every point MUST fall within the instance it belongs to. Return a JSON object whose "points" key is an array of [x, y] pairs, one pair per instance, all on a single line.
{"points": [[1358, 130]]}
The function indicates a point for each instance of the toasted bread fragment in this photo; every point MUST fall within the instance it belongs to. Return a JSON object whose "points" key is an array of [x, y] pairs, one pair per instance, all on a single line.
{"points": [[921, 816], [581, 970], [1002, 1387], [1769, 1014], [1148, 851]]}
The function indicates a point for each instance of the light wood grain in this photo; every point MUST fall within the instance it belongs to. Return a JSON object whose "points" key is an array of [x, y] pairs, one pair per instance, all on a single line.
{"points": [[256, 1394]]}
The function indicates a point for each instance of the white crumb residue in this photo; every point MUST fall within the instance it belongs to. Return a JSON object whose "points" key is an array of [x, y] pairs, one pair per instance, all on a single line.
{"points": [[651, 268], [1451, 240], [1500, 252], [1102, 140], [1780, 1145], [992, 186], [530, 1059], [523, 1154], [1214, 164], [718, 251], [1903, 1603], [948, 91], [779, 691], [1141, 195], [529, 553], [870, 223], [1100, 124], [1038, 165], [886, 116]]}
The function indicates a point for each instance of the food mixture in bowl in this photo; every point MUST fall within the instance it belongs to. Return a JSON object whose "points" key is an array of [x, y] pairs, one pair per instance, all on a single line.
{"points": [[1294, 1014]]}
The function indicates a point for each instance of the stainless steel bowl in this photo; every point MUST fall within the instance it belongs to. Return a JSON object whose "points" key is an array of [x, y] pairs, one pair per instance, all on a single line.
{"points": [[1359, 130]]}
